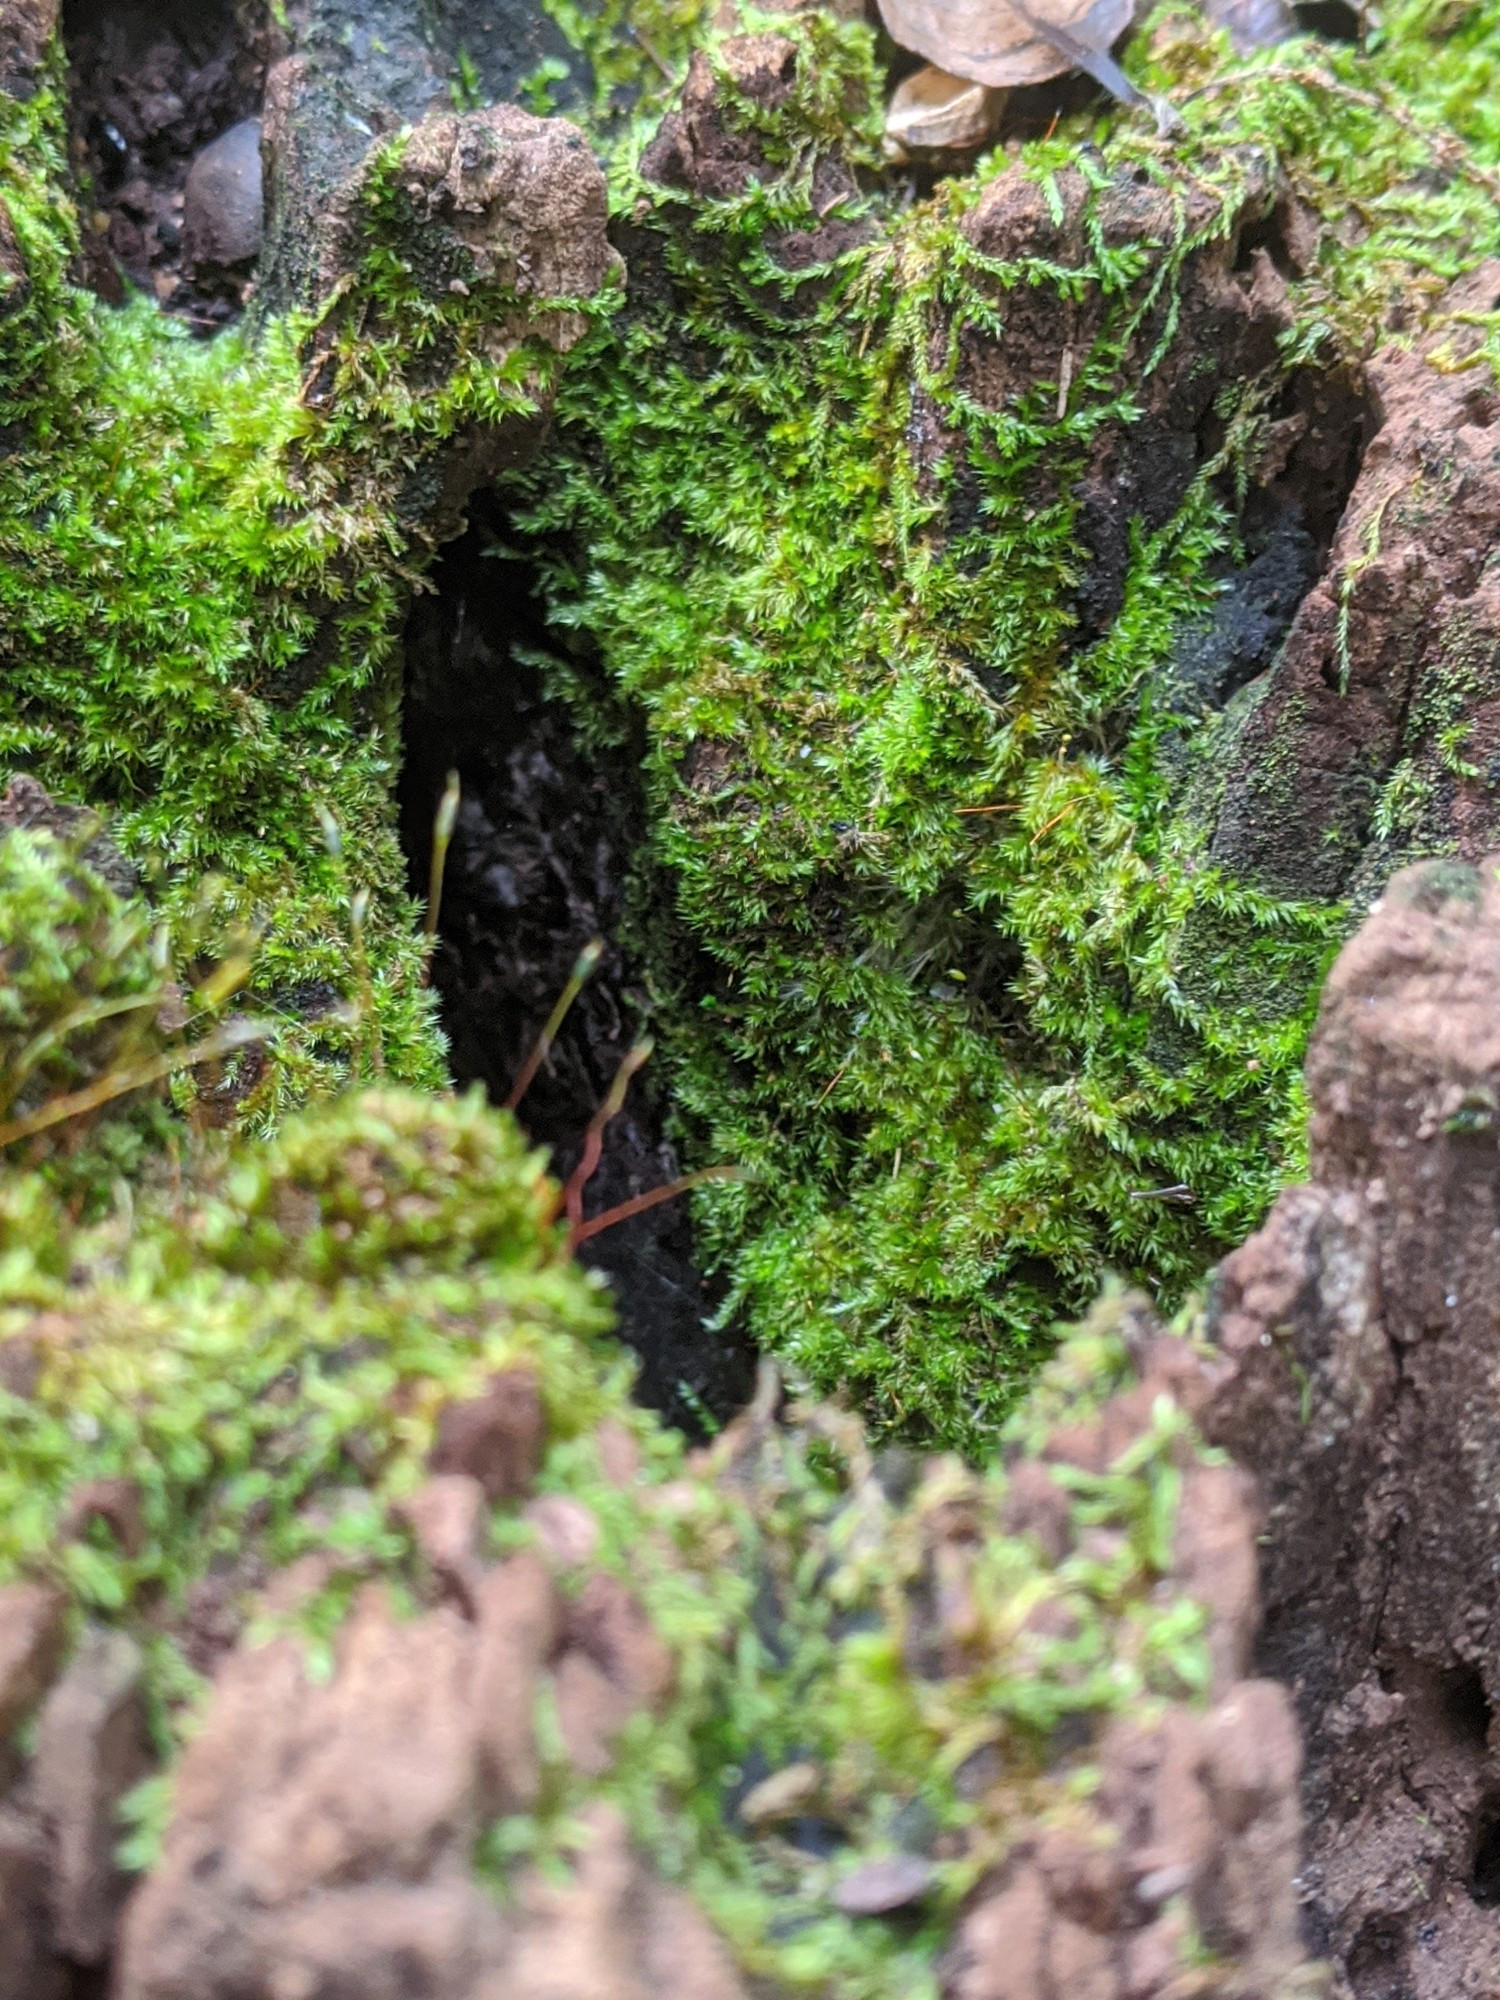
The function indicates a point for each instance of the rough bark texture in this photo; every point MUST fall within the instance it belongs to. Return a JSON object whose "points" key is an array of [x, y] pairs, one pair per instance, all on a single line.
{"points": [[1232, 306], [1195, 1827], [1397, 644], [354, 75], [1361, 1333], [321, 1836]]}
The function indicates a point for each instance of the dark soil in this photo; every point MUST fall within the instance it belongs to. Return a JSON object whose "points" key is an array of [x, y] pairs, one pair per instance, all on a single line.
{"points": [[541, 864], [154, 82]]}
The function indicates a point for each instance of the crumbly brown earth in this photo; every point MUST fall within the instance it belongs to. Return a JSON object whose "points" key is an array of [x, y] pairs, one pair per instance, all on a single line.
{"points": [[1363, 1375], [323, 1824]]}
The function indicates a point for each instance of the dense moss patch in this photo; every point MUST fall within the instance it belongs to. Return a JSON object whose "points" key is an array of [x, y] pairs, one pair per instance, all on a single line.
{"points": [[975, 993], [972, 997], [242, 1367], [206, 552]]}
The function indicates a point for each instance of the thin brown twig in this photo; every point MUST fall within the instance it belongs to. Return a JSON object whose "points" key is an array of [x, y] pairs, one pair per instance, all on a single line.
{"points": [[643, 43], [833, 1083], [120, 1083], [1056, 820], [653, 1198], [593, 1139]]}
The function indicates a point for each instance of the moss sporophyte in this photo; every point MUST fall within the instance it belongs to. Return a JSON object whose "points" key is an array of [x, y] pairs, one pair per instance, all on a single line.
{"points": [[936, 954]]}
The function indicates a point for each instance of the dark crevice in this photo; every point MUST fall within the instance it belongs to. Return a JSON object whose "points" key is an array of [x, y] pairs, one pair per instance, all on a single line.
{"points": [[542, 861], [1376, 1963], [1285, 533], [1266, 233], [1464, 1709], [1333, 20], [1484, 1879], [1330, 418], [1251, 618]]}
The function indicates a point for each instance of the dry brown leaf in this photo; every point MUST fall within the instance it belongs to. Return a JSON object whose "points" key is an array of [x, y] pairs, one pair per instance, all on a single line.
{"points": [[932, 111], [987, 41]]}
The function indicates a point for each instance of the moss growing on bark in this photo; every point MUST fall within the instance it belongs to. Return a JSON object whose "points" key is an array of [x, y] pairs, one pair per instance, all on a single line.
{"points": [[206, 552]]}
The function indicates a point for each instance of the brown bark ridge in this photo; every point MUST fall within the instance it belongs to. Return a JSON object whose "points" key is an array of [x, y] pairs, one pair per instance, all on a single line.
{"points": [[322, 1835], [1361, 1346], [356, 72], [1391, 665]]}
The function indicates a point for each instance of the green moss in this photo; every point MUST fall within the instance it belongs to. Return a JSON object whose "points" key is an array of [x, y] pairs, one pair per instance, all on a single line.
{"points": [[235, 1369], [81, 980], [206, 553], [975, 991], [634, 51], [1434, 746], [242, 1368], [972, 994]]}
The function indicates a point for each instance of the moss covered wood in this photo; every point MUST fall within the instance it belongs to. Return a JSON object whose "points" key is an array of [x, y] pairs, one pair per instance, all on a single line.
{"points": [[974, 996]]}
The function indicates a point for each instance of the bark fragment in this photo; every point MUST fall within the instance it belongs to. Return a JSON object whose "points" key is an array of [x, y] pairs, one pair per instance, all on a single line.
{"points": [[1361, 1362]]}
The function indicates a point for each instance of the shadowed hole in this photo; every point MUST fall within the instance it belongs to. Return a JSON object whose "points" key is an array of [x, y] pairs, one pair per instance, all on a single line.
{"points": [[542, 861], [1484, 1876], [152, 83]]}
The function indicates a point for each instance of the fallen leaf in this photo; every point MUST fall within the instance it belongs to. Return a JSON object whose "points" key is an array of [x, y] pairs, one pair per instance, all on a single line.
{"points": [[932, 111], [989, 41]]}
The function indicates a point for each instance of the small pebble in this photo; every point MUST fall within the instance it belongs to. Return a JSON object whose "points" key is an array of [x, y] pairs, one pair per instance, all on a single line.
{"points": [[782, 1796], [878, 1888], [222, 209], [1162, 1884]]}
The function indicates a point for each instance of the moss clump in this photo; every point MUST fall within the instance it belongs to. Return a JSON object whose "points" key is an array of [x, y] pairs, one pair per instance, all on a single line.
{"points": [[975, 993], [244, 1367], [267, 1408], [267, 1387], [206, 552], [634, 52]]}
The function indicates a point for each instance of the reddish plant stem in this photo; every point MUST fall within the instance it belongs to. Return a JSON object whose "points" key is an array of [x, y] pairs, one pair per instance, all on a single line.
{"points": [[653, 1198], [593, 1139]]}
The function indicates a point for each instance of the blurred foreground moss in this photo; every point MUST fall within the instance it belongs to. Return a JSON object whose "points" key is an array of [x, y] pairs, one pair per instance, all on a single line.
{"points": [[242, 1366]]}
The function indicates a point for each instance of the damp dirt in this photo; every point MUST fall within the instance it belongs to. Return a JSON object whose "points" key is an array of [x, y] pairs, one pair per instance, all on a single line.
{"points": [[154, 84], [542, 862]]}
